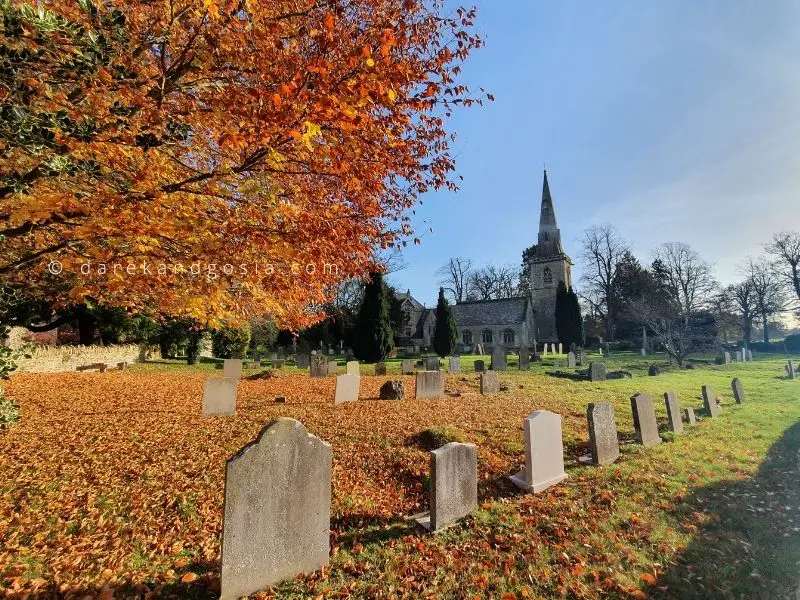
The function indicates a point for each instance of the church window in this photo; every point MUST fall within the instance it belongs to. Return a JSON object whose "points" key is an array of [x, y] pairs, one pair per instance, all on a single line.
{"points": [[508, 336], [466, 337], [547, 276], [487, 336]]}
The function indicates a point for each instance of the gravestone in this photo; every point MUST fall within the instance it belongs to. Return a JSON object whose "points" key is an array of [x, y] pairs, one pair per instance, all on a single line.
{"points": [[600, 351], [319, 366], [710, 401], [380, 368], [302, 361], [524, 359], [277, 511], [352, 368], [738, 391], [738, 356], [273, 356], [333, 367], [597, 371], [544, 452], [727, 357], [232, 367], [454, 485], [749, 355], [455, 364], [544, 350], [571, 360], [688, 416], [644, 420], [643, 352], [790, 370], [219, 397], [430, 384], [407, 367], [480, 366], [581, 357], [673, 411], [278, 364], [602, 433], [432, 364], [490, 382], [560, 348], [393, 390], [347, 388], [653, 371], [498, 358]]}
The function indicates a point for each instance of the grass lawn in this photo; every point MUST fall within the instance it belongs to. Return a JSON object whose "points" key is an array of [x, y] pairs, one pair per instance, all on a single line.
{"points": [[112, 483]]}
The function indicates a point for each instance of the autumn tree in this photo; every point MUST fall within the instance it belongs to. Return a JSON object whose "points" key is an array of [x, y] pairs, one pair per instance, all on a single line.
{"points": [[445, 334], [372, 337], [160, 143]]}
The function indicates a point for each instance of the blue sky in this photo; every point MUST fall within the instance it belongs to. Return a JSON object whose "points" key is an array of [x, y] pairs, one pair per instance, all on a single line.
{"points": [[673, 120]]}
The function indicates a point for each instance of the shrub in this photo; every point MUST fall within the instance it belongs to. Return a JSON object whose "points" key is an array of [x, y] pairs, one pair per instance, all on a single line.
{"points": [[792, 343], [229, 342], [592, 342], [776, 347], [9, 411]]}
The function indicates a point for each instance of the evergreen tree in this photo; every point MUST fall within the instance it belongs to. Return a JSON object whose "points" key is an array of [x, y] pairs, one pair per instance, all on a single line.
{"points": [[569, 323], [445, 334], [372, 337], [575, 318]]}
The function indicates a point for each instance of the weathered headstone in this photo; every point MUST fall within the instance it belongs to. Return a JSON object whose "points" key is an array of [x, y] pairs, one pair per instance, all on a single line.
{"points": [[232, 367], [544, 452], [380, 368], [455, 364], [432, 363], [688, 416], [498, 358], [710, 401], [644, 420], [319, 366], [580, 357], [602, 433], [407, 367], [738, 391], [738, 356], [643, 352], [277, 511], [673, 411], [653, 371], [727, 357], [571, 360], [333, 367], [347, 388], [560, 348], [454, 485], [278, 364], [597, 371], [490, 382], [600, 350], [790, 370], [544, 350], [393, 390], [352, 368], [302, 361], [524, 359], [430, 384], [219, 397], [749, 355], [480, 366]]}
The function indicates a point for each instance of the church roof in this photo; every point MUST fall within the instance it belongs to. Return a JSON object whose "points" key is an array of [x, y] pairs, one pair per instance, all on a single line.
{"points": [[407, 296], [508, 311]]}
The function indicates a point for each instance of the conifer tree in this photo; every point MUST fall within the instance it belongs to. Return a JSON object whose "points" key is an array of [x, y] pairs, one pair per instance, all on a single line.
{"points": [[372, 337], [445, 334]]}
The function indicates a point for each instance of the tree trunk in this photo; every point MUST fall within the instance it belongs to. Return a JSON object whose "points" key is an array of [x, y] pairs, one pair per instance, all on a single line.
{"points": [[766, 330], [748, 329], [86, 327]]}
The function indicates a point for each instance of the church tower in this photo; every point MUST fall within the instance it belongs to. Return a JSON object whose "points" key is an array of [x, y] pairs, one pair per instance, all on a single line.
{"points": [[548, 265]]}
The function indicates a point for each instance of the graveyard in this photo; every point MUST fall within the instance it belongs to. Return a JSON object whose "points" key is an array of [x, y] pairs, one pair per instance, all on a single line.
{"points": [[711, 511]]}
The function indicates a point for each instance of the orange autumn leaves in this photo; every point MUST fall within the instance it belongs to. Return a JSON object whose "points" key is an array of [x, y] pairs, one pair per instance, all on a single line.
{"points": [[282, 132]]}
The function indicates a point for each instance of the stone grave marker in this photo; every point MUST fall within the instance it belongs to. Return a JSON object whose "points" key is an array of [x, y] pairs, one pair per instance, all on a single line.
{"points": [[353, 368], [393, 390], [749, 355], [560, 348], [738, 391], [727, 358], [600, 350], [581, 357], [644, 420], [278, 364], [571, 360], [602, 433], [479, 366], [232, 367], [430, 384], [643, 352], [790, 370], [673, 411], [302, 361], [319, 366], [219, 397], [688, 416], [347, 388], [407, 366], [498, 358], [544, 350], [432, 363], [597, 371], [333, 367], [524, 359], [738, 356], [490, 382], [544, 452], [455, 364], [277, 511], [454, 485], [710, 401], [380, 368]]}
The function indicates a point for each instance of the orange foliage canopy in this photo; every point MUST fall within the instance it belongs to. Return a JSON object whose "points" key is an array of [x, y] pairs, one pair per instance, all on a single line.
{"points": [[275, 136]]}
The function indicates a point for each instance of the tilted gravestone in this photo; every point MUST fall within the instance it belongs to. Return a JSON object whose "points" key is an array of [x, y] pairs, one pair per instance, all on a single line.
{"points": [[544, 452], [352, 368], [498, 358], [524, 359], [277, 511], [333, 367], [454, 485], [232, 367], [571, 360], [302, 361], [430, 384], [432, 363], [219, 397], [407, 367], [738, 391], [490, 382], [790, 370], [393, 390], [710, 401], [644, 420], [454, 364], [673, 411], [380, 368], [480, 366], [602, 433], [688, 416], [347, 388], [597, 371], [319, 366]]}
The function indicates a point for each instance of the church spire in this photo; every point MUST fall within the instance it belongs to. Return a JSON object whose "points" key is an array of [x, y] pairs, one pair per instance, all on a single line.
{"points": [[549, 235]]}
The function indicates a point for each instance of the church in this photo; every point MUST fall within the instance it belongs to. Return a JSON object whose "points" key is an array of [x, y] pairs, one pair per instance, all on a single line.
{"points": [[509, 322]]}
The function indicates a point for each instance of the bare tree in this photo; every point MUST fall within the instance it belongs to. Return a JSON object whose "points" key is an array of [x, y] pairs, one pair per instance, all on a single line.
{"points": [[686, 277], [745, 301], [493, 283], [455, 278], [726, 314], [603, 253], [767, 291], [785, 247], [663, 318]]}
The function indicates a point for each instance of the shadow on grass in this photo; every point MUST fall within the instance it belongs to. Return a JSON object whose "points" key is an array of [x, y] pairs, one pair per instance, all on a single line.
{"points": [[748, 544]]}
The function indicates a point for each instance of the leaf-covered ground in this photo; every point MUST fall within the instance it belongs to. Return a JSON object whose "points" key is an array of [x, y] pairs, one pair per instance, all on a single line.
{"points": [[112, 484]]}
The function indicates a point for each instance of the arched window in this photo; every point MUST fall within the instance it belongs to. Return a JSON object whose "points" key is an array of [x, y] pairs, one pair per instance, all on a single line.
{"points": [[487, 336], [508, 336], [466, 337], [547, 276]]}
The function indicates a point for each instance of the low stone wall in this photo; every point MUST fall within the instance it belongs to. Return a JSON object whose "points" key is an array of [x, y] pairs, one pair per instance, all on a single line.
{"points": [[56, 359]]}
